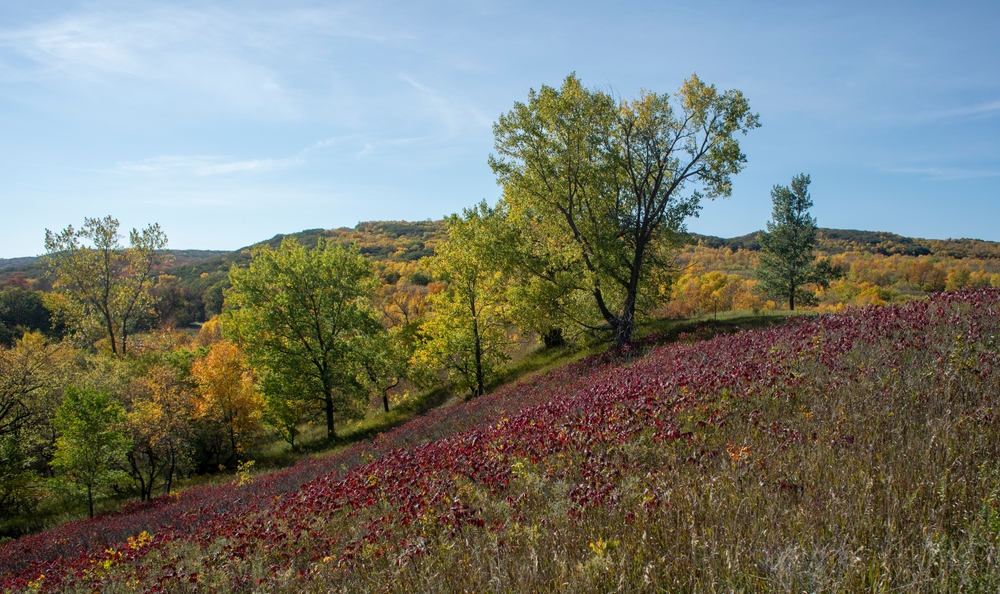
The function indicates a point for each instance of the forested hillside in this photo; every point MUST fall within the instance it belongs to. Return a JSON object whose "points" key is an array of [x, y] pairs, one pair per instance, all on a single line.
{"points": [[129, 372], [193, 280], [843, 453]]}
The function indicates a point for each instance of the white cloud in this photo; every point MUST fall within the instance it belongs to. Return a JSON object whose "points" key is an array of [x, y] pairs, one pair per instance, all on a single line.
{"points": [[455, 113], [204, 165], [969, 112], [946, 173], [240, 62]]}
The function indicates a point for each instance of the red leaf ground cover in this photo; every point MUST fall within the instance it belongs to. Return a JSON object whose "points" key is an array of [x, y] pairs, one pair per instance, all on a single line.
{"points": [[382, 499]]}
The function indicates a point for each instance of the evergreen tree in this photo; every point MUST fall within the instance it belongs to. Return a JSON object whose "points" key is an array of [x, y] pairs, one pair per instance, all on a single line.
{"points": [[786, 256]]}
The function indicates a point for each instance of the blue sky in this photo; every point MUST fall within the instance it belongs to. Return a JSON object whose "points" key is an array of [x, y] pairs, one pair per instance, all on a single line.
{"points": [[230, 122]]}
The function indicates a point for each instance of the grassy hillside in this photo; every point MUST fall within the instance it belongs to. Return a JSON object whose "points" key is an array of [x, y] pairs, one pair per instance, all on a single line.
{"points": [[836, 453]]}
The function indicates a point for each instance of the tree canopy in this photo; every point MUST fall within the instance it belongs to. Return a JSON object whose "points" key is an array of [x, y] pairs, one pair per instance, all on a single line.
{"points": [[228, 395], [467, 330], [92, 444], [786, 257], [105, 285], [304, 317], [599, 188]]}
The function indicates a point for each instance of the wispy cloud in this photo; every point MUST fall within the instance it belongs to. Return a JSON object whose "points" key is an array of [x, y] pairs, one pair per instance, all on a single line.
{"points": [[946, 173], [968, 112], [204, 165], [455, 113], [211, 165], [245, 62]]}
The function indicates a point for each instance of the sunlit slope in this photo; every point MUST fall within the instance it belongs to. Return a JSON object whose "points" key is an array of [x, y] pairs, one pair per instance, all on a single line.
{"points": [[845, 452]]}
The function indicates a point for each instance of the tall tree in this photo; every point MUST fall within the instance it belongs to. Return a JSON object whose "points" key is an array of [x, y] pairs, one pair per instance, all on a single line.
{"points": [[159, 415], [92, 444], [385, 362], [600, 187], [31, 375], [467, 331], [228, 395], [304, 317], [786, 254], [106, 284]]}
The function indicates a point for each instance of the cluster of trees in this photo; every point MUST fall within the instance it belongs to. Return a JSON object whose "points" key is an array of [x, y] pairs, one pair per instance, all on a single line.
{"points": [[77, 421], [847, 268], [595, 194], [114, 409], [697, 292], [582, 242]]}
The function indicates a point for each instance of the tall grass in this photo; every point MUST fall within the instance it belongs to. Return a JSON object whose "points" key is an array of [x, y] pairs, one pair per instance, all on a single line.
{"points": [[856, 452]]}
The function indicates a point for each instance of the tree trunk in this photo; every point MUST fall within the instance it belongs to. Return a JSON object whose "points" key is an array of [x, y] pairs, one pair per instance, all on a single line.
{"points": [[553, 338], [233, 444], [138, 475], [385, 393], [480, 388], [111, 334], [791, 298], [328, 398], [90, 500], [625, 325], [170, 471]]}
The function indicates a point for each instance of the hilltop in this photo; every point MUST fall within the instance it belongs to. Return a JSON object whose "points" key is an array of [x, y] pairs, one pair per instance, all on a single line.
{"points": [[403, 241], [838, 241]]}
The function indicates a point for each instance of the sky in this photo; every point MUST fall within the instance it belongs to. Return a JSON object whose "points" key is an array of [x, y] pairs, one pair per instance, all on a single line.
{"points": [[227, 123]]}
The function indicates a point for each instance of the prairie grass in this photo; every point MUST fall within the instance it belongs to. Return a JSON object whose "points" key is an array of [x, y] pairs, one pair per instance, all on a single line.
{"points": [[856, 452]]}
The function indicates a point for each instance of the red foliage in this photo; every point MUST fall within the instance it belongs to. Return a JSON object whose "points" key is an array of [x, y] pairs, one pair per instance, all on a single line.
{"points": [[413, 474]]}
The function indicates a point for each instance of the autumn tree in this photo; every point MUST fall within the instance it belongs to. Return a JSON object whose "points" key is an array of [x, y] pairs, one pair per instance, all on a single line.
{"points": [[22, 310], [600, 188], [385, 361], [92, 445], [466, 331], [786, 254], [228, 395], [305, 318], [105, 285], [160, 411], [30, 379]]}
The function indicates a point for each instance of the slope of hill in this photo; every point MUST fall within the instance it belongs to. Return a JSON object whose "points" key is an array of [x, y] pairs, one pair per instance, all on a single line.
{"points": [[398, 241], [838, 241], [17, 262], [839, 453], [31, 267]]}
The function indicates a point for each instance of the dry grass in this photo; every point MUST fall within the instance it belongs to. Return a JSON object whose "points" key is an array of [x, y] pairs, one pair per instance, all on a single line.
{"points": [[854, 453]]}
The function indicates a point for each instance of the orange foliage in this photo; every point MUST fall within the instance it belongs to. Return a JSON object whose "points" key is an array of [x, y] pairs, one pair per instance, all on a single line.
{"points": [[227, 394], [695, 293], [869, 278]]}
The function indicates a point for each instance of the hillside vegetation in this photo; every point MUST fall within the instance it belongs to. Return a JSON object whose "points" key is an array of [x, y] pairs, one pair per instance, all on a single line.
{"points": [[878, 267], [848, 451], [844, 452]]}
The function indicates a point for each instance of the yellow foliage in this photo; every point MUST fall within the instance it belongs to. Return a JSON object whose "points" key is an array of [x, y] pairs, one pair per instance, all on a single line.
{"points": [[713, 278], [227, 393], [209, 333], [695, 293]]}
